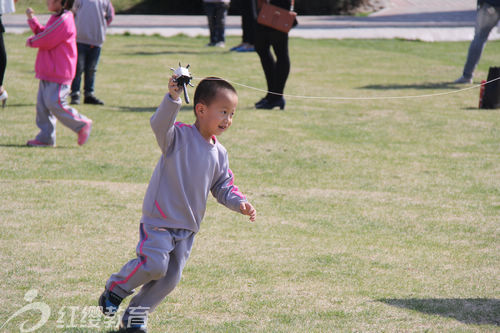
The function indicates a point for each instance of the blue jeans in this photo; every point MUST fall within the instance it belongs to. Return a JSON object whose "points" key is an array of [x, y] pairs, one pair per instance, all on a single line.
{"points": [[88, 58], [486, 19], [216, 14]]}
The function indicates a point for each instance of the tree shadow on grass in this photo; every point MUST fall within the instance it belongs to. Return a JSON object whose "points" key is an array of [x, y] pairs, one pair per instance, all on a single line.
{"points": [[18, 105], [157, 45], [19, 145], [155, 53], [14, 145], [425, 85], [478, 311], [135, 108], [471, 108]]}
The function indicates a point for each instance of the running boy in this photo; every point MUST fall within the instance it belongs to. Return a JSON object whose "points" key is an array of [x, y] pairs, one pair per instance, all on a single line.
{"points": [[193, 163]]}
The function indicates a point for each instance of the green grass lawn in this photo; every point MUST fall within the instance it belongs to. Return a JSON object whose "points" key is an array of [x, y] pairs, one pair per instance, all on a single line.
{"points": [[374, 216]]}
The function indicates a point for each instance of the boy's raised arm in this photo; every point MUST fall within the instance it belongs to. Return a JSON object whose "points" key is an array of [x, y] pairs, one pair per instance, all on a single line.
{"points": [[163, 120]]}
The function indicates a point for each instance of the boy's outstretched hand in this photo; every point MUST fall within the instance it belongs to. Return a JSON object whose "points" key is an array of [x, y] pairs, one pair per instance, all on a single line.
{"points": [[246, 208], [173, 89]]}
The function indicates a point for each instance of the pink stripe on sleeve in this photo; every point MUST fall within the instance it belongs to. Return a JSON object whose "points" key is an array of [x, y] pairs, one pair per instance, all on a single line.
{"points": [[181, 125], [235, 189]]}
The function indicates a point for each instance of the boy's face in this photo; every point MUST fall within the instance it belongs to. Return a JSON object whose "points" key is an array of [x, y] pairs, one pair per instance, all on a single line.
{"points": [[215, 119]]}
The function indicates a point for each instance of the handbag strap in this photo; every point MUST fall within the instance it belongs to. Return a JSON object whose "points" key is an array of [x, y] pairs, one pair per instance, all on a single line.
{"points": [[292, 4]]}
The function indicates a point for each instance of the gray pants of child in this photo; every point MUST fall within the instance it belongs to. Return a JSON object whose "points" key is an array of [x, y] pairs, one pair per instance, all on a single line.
{"points": [[51, 106], [161, 256]]}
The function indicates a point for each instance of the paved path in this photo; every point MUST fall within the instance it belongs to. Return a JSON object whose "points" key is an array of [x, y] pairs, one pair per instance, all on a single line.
{"points": [[427, 20]]}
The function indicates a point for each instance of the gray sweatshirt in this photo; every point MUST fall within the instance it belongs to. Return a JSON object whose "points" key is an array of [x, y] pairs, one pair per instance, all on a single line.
{"points": [[189, 168], [92, 18]]}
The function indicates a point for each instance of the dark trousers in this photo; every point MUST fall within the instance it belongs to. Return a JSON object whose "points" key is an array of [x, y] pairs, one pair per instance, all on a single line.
{"points": [[248, 21], [275, 70], [3, 54], [88, 58], [216, 14]]}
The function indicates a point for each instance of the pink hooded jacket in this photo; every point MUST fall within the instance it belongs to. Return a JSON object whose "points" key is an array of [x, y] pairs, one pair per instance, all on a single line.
{"points": [[56, 43]]}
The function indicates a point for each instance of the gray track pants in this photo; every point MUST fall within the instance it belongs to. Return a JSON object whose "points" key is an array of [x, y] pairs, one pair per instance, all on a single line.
{"points": [[161, 256], [52, 106]]}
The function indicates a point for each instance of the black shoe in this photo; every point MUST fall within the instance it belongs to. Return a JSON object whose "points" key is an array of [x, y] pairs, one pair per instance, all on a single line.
{"points": [[137, 325], [269, 105], [261, 102], [109, 303], [91, 99], [75, 99]]}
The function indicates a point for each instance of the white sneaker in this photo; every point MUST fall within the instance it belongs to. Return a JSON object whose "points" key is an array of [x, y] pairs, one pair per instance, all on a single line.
{"points": [[463, 80], [220, 44], [3, 97]]}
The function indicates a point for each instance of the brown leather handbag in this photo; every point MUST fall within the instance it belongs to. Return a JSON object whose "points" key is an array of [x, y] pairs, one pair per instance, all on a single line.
{"points": [[277, 17]]}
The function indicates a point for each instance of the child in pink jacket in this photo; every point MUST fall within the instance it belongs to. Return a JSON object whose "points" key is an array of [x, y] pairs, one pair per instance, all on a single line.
{"points": [[55, 67]]}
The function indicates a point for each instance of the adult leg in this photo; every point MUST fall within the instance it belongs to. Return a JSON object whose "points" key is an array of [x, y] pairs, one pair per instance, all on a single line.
{"points": [[3, 66], [45, 120], [263, 49], [487, 17], [220, 22], [3, 61], [210, 10], [248, 21], [3, 55], [80, 65], [279, 42], [90, 69], [155, 291]]}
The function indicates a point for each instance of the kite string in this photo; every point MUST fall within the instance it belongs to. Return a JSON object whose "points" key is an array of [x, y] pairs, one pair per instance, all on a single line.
{"points": [[359, 98]]}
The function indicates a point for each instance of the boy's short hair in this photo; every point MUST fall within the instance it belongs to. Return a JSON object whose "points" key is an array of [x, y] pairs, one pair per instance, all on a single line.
{"points": [[207, 90]]}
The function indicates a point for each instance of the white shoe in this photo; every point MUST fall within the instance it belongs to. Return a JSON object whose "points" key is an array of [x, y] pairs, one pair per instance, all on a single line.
{"points": [[3, 98], [220, 44], [463, 80]]}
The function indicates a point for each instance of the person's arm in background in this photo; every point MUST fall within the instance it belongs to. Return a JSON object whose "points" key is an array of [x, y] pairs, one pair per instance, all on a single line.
{"points": [[110, 13]]}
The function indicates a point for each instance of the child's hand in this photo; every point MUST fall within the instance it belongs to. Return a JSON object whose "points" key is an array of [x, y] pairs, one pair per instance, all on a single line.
{"points": [[246, 208], [174, 89], [29, 13]]}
